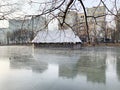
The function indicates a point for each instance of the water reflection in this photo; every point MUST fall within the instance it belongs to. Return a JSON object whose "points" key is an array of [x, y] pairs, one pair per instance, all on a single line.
{"points": [[118, 67], [93, 67], [96, 68], [27, 62]]}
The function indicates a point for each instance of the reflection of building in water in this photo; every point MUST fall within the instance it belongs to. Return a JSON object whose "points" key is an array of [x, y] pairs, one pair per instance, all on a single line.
{"points": [[91, 64], [93, 67], [27, 62], [118, 67], [67, 70]]}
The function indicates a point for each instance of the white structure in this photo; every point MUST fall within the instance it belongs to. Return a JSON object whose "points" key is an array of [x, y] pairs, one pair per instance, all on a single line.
{"points": [[56, 36], [53, 25]]}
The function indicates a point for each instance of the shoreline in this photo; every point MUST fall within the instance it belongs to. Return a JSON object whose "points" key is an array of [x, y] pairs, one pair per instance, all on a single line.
{"points": [[83, 45], [101, 44]]}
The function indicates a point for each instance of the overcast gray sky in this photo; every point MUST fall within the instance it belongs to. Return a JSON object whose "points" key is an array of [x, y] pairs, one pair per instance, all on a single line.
{"points": [[28, 8]]}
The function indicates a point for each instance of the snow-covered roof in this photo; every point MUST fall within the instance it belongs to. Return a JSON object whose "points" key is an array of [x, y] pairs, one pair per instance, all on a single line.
{"points": [[56, 36]]}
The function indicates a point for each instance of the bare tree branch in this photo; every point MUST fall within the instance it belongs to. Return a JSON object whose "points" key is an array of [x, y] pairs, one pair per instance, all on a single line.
{"points": [[87, 28]]}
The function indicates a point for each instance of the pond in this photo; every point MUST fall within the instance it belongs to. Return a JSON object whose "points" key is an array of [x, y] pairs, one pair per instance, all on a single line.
{"points": [[28, 68]]}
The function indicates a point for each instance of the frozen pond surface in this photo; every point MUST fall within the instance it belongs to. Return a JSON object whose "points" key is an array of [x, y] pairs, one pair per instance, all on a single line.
{"points": [[26, 68]]}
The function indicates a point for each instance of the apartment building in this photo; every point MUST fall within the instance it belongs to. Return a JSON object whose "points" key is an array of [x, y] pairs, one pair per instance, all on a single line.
{"points": [[97, 22], [23, 30]]}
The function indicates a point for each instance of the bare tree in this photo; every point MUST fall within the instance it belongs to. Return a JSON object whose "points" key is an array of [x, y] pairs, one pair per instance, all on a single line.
{"points": [[52, 8], [64, 6], [8, 9]]}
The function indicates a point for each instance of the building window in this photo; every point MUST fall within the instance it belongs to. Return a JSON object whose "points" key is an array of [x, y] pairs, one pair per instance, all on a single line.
{"points": [[82, 16]]}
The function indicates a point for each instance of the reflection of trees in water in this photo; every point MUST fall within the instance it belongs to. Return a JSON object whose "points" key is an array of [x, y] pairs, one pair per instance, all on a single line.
{"points": [[67, 70], [92, 66], [118, 67], [27, 62]]}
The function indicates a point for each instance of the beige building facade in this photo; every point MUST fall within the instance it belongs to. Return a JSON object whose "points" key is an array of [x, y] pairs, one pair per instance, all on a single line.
{"points": [[97, 22], [74, 21]]}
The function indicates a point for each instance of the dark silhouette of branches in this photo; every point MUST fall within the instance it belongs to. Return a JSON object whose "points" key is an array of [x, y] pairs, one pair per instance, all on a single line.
{"points": [[87, 28]]}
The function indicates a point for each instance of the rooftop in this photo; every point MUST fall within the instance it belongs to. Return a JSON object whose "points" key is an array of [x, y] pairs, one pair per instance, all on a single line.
{"points": [[56, 36]]}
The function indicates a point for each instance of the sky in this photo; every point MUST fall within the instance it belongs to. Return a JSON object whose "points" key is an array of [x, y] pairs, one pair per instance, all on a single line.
{"points": [[26, 8]]}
